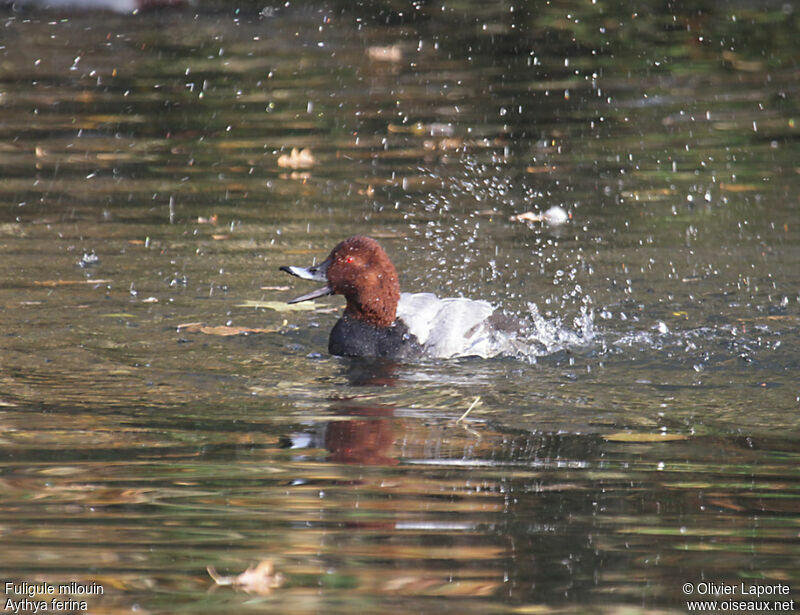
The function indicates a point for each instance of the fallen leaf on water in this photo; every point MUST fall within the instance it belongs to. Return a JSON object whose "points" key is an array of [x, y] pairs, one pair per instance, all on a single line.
{"points": [[122, 583], [448, 143], [220, 237], [239, 144], [297, 159], [418, 129], [528, 216], [436, 586], [302, 251], [221, 330], [13, 229], [69, 282], [735, 61], [738, 187], [259, 579], [211, 220], [379, 234], [554, 216], [190, 326], [630, 436], [726, 503], [754, 319], [115, 156], [648, 196], [547, 168], [279, 306], [392, 53], [532, 609]]}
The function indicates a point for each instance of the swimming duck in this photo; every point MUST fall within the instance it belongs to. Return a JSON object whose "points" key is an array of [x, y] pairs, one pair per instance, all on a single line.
{"points": [[380, 321]]}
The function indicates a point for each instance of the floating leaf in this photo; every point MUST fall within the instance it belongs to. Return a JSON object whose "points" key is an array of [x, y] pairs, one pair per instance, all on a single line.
{"points": [[304, 175], [726, 503], [50, 283], [738, 187], [302, 251], [412, 129], [528, 216], [532, 609], [446, 144], [547, 168], [553, 216], [260, 579], [392, 53], [220, 330], [190, 326], [279, 306], [386, 235], [656, 194], [735, 61], [297, 159], [13, 229], [755, 319], [631, 436]]}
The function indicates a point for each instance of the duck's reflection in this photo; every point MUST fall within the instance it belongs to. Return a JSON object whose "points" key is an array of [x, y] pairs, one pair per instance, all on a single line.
{"points": [[360, 434], [362, 371], [365, 437], [366, 434]]}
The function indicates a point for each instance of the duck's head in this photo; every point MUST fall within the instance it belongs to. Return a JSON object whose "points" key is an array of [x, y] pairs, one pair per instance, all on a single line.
{"points": [[359, 269]]}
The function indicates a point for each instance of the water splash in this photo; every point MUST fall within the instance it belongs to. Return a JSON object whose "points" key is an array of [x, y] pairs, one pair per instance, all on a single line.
{"points": [[538, 336], [552, 335]]}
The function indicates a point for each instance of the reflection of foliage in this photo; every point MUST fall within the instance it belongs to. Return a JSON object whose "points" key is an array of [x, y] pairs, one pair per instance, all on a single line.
{"points": [[642, 33]]}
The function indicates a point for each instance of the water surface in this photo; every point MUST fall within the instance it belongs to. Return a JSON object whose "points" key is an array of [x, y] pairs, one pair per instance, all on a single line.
{"points": [[648, 439]]}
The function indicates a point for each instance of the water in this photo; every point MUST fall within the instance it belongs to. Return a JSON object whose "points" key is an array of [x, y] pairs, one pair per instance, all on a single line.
{"points": [[648, 439]]}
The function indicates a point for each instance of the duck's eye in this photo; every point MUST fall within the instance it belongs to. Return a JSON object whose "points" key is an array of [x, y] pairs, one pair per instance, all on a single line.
{"points": [[348, 260]]}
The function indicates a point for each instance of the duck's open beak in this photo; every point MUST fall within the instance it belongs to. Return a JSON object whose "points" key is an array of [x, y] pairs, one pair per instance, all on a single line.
{"points": [[317, 272]]}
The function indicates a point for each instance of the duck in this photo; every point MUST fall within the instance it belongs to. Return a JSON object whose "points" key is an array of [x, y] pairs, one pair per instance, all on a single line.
{"points": [[380, 321]]}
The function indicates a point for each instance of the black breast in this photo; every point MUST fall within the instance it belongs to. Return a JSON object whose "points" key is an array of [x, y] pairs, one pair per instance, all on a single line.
{"points": [[352, 338]]}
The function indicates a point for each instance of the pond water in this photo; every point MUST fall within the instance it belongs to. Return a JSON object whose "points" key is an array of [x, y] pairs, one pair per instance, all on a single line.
{"points": [[164, 412]]}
